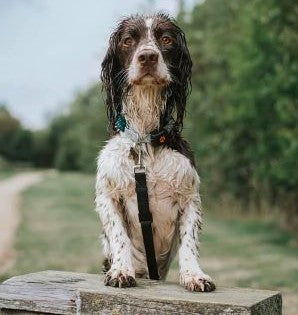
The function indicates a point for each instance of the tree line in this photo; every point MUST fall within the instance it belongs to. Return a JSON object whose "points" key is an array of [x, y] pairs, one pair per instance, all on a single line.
{"points": [[70, 142], [243, 117]]}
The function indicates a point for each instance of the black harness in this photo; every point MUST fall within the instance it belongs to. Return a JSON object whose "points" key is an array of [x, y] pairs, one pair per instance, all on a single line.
{"points": [[158, 137], [145, 218]]}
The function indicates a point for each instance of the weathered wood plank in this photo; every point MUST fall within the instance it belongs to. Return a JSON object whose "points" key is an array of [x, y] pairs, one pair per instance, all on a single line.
{"points": [[57, 292]]}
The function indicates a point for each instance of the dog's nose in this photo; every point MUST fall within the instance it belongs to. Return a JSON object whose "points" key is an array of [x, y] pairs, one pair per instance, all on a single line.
{"points": [[148, 58]]}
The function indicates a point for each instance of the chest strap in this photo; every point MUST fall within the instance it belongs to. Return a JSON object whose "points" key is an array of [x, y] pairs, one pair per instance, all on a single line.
{"points": [[145, 218]]}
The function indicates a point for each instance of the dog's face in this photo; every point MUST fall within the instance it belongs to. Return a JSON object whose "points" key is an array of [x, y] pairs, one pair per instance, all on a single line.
{"points": [[147, 51]]}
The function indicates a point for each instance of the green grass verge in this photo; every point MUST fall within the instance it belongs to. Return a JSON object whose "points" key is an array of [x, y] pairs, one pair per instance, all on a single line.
{"points": [[6, 173], [8, 169], [250, 253], [60, 230]]}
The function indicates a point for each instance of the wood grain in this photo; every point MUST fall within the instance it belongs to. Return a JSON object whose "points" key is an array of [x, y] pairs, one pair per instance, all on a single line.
{"points": [[57, 292]]}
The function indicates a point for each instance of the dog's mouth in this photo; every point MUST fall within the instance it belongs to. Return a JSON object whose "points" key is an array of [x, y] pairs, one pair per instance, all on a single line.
{"points": [[149, 78]]}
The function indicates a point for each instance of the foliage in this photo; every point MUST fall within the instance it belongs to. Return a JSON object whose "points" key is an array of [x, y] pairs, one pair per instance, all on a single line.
{"points": [[72, 140], [243, 108], [79, 135], [16, 143], [59, 229]]}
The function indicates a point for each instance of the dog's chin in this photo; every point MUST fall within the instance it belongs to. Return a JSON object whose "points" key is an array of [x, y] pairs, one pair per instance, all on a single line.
{"points": [[149, 80]]}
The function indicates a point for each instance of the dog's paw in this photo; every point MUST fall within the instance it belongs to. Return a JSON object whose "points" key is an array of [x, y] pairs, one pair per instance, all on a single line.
{"points": [[197, 282], [119, 279]]}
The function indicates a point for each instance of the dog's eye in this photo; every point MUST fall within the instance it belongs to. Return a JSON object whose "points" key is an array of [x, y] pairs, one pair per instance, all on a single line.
{"points": [[128, 41], [166, 40]]}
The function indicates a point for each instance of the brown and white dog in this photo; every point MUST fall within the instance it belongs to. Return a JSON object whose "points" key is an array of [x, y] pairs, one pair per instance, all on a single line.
{"points": [[146, 75]]}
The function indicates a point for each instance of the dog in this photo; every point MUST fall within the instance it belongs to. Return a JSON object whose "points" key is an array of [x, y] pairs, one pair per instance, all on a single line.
{"points": [[146, 74]]}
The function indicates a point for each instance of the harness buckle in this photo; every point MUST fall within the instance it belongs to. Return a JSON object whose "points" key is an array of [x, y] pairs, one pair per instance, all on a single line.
{"points": [[139, 169]]}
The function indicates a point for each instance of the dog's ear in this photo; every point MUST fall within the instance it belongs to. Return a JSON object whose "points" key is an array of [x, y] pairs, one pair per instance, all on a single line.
{"points": [[184, 77], [185, 63], [180, 87], [110, 69]]}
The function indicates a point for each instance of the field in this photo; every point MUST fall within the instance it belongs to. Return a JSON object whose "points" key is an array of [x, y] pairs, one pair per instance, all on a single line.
{"points": [[60, 230], [8, 169]]}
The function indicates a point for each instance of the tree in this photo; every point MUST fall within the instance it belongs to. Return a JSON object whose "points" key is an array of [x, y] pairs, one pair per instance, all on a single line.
{"points": [[76, 138], [243, 107], [16, 143], [9, 126]]}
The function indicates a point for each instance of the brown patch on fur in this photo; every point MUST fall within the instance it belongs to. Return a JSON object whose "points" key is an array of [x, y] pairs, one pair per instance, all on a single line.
{"points": [[176, 142], [106, 265], [133, 155], [174, 203], [119, 281], [200, 285], [125, 218]]}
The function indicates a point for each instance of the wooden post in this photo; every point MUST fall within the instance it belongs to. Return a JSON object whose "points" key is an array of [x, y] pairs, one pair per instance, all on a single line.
{"points": [[57, 292]]}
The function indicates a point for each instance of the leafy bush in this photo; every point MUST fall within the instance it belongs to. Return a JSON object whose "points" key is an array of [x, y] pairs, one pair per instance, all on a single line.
{"points": [[78, 136], [16, 143], [243, 108]]}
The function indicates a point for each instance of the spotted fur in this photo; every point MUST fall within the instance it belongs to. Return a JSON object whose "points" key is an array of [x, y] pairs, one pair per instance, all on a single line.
{"points": [[146, 75]]}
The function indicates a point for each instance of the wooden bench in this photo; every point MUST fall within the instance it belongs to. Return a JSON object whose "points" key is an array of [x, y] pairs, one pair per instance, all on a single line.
{"points": [[57, 292]]}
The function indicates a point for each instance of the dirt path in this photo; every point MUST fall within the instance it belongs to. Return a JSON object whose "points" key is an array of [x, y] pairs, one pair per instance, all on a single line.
{"points": [[10, 190]]}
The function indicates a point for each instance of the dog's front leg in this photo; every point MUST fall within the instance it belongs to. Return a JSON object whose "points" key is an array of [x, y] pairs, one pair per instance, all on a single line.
{"points": [[116, 242], [191, 275]]}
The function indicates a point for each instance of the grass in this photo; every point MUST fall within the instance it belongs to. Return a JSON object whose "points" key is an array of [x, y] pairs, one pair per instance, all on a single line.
{"points": [[5, 173], [250, 253], [8, 169], [60, 230]]}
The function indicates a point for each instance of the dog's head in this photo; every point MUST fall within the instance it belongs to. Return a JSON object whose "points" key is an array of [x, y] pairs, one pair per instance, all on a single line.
{"points": [[147, 51]]}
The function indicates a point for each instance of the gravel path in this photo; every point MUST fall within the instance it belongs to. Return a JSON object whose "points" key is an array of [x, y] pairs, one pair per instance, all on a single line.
{"points": [[10, 191]]}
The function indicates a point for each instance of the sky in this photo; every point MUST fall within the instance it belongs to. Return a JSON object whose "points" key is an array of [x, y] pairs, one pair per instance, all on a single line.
{"points": [[49, 49]]}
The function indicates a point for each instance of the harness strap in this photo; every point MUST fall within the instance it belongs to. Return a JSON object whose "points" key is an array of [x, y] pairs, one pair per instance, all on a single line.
{"points": [[156, 137], [145, 218]]}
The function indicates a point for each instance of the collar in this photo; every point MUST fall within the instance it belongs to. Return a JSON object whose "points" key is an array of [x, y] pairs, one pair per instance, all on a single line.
{"points": [[156, 137]]}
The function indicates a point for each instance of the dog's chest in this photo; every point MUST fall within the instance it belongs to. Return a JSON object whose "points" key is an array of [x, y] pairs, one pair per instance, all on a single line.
{"points": [[169, 173], [170, 178], [162, 197]]}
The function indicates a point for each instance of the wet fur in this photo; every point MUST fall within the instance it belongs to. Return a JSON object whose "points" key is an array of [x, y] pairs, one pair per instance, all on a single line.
{"points": [[172, 179]]}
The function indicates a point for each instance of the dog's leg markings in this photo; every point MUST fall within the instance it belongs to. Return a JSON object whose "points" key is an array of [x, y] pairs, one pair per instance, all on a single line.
{"points": [[191, 275], [121, 273], [146, 92]]}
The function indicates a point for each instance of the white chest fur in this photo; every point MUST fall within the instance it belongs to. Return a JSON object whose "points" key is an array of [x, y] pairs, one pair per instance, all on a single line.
{"points": [[171, 181]]}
